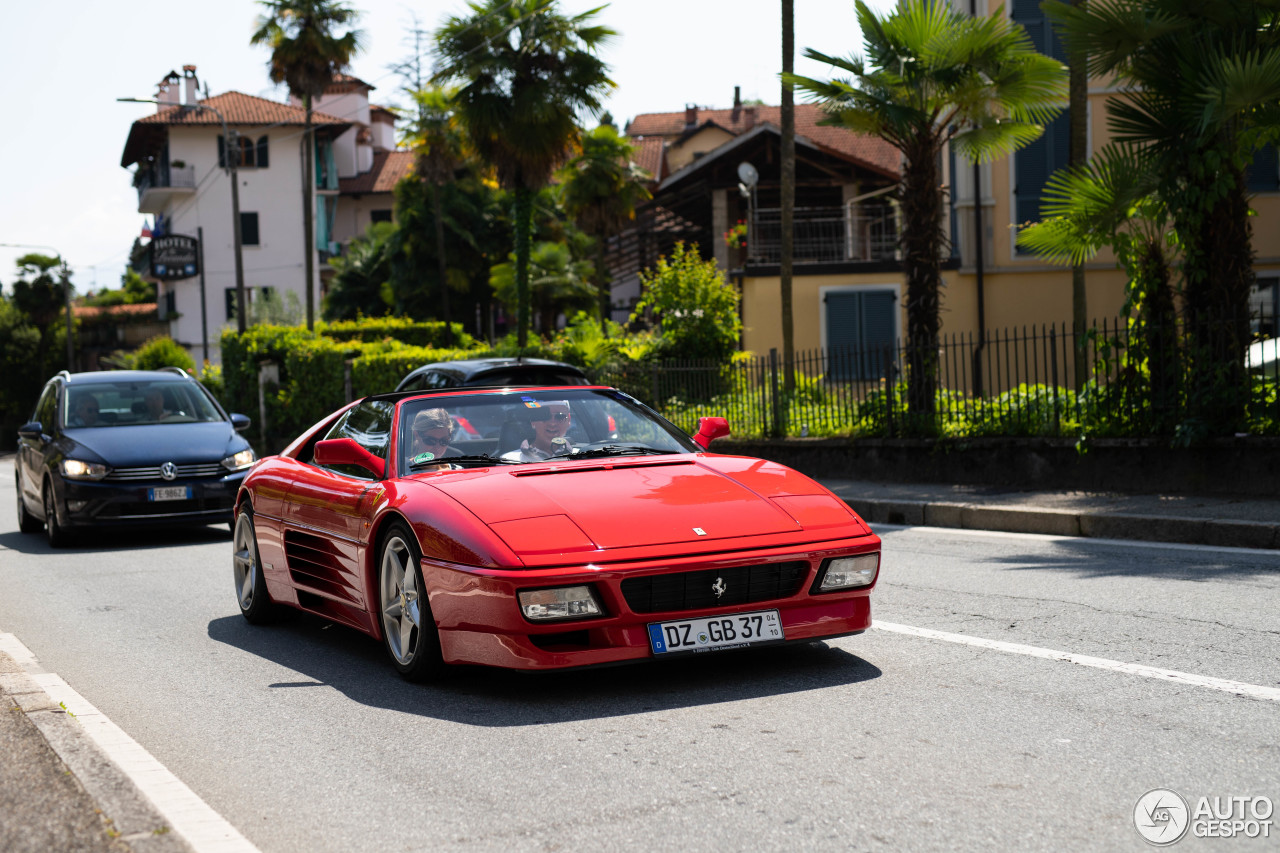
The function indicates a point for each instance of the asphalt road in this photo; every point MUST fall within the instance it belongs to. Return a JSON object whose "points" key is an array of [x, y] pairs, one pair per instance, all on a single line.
{"points": [[304, 738]]}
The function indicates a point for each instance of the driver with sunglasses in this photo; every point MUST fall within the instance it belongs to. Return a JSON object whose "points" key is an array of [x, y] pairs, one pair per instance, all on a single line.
{"points": [[550, 422], [432, 429]]}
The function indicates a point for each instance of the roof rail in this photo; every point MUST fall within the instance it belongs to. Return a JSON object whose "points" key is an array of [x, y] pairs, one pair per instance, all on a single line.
{"points": [[177, 370], [63, 373]]}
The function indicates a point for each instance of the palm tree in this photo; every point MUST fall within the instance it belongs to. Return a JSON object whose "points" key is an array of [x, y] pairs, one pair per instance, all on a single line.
{"points": [[600, 189], [438, 147], [305, 56], [526, 72], [559, 283], [1200, 93], [932, 76]]}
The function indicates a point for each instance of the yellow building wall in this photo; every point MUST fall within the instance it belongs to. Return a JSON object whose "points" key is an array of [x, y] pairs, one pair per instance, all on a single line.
{"points": [[708, 139]]}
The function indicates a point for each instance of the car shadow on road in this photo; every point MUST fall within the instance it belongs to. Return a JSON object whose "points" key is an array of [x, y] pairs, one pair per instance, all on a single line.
{"points": [[116, 539], [356, 665]]}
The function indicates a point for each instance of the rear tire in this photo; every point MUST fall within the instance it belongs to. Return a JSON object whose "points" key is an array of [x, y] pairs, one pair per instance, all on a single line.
{"points": [[27, 523], [246, 568], [53, 530], [409, 631]]}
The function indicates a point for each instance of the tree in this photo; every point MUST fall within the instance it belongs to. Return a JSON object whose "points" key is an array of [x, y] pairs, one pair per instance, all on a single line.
{"points": [[37, 292], [600, 189], [361, 284], [559, 282], [525, 71], [788, 203], [438, 149], [1200, 94], [932, 76], [305, 56], [134, 290], [697, 308]]}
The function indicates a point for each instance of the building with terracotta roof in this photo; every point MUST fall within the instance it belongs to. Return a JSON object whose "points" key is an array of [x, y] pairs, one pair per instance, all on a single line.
{"points": [[178, 156]]}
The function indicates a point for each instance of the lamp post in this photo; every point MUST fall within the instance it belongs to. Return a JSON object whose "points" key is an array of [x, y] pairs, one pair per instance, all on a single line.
{"points": [[230, 165]]}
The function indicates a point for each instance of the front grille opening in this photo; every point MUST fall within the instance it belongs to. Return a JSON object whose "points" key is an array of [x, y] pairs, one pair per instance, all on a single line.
{"points": [[697, 590], [564, 641]]}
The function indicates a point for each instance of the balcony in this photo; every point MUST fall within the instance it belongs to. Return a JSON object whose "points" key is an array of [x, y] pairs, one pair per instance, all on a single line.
{"points": [[825, 235], [159, 182]]}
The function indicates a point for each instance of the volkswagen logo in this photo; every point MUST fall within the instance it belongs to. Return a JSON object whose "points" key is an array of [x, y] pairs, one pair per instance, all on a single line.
{"points": [[719, 587], [168, 470]]}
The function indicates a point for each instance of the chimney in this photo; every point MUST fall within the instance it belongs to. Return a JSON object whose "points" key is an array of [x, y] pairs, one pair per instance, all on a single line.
{"points": [[749, 118], [690, 115], [191, 84], [737, 104], [167, 91]]}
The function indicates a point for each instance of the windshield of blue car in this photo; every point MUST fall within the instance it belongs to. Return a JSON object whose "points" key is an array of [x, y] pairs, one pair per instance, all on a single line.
{"points": [[520, 427], [110, 404]]}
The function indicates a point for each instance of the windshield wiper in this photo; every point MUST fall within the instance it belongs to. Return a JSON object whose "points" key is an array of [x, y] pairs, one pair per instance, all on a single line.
{"points": [[617, 450], [480, 458]]}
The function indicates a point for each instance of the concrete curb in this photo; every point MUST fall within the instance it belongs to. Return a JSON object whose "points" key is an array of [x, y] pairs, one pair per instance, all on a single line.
{"points": [[142, 828], [1056, 522]]}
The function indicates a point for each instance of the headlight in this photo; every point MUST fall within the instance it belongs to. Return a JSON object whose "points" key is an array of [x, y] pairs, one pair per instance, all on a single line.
{"points": [[77, 470], [850, 572], [568, 602], [236, 461]]}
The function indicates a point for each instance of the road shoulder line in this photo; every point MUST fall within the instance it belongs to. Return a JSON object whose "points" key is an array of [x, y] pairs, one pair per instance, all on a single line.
{"points": [[1238, 688], [133, 788]]}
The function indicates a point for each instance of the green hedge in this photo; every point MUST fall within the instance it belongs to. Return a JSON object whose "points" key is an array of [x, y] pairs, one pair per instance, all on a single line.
{"points": [[380, 372], [402, 329]]}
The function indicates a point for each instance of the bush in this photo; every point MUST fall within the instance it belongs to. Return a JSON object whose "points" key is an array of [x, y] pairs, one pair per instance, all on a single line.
{"points": [[698, 309], [162, 351], [402, 329]]}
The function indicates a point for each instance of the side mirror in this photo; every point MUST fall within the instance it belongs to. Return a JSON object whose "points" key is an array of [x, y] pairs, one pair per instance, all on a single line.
{"points": [[240, 422], [33, 431], [709, 429], [344, 451]]}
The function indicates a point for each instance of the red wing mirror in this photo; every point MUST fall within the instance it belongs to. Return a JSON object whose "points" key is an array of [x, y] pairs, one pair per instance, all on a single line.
{"points": [[344, 451], [709, 429]]}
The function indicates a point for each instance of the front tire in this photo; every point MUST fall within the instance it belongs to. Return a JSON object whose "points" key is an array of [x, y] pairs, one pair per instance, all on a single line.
{"points": [[27, 523], [53, 530], [251, 584], [408, 628]]}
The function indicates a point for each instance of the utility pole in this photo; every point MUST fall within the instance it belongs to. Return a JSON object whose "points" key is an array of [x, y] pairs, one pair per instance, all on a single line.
{"points": [[66, 293], [204, 312], [788, 196]]}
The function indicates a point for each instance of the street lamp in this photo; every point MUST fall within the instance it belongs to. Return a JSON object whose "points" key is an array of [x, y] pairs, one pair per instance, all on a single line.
{"points": [[228, 151]]}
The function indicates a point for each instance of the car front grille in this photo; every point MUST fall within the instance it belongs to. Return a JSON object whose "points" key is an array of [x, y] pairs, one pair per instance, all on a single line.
{"points": [[697, 590], [207, 469]]}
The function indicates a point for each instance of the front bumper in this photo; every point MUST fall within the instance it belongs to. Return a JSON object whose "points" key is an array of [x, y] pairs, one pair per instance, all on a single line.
{"points": [[104, 503], [480, 622]]}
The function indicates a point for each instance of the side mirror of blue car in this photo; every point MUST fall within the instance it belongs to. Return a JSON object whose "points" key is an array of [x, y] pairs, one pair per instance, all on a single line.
{"points": [[240, 422]]}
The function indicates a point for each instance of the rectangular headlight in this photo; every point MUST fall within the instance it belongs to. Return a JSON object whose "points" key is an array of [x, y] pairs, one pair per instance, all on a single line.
{"points": [[850, 572], [77, 470], [235, 462], [566, 602]]}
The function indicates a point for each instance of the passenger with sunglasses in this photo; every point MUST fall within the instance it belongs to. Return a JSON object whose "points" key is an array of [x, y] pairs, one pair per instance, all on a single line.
{"points": [[432, 429], [550, 422]]}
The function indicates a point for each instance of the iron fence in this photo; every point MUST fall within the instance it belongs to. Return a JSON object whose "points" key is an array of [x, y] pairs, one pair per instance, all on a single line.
{"points": [[1138, 380]]}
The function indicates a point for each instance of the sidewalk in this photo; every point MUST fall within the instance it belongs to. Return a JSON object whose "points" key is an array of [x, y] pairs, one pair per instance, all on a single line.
{"points": [[1104, 515]]}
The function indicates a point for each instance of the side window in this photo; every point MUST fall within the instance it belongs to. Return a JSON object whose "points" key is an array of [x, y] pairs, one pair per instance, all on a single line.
{"points": [[369, 425], [414, 384], [438, 379], [46, 409]]}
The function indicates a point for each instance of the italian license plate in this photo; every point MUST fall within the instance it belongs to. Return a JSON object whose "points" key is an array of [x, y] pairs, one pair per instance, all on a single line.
{"points": [[169, 493], [733, 631]]}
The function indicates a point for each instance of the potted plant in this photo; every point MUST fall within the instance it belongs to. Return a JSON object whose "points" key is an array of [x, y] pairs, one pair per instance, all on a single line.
{"points": [[736, 237]]}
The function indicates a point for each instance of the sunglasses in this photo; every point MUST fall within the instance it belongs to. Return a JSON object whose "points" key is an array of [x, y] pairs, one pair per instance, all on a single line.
{"points": [[559, 417], [433, 441]]}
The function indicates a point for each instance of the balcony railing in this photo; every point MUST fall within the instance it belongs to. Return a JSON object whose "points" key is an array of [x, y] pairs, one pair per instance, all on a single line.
{"points": [[825, 235], [158, 178]]}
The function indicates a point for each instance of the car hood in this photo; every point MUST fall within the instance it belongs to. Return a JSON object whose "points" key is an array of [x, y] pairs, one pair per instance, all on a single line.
{"points": [[155, 444], [581, 506]]}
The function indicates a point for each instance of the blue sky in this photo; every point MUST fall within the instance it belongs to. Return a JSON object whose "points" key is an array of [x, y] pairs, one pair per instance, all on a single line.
{"points": [[64, 64]]}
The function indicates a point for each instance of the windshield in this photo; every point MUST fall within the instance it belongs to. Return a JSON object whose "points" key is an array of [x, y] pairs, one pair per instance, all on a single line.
{"points": [[519, 427], [109, 404]]}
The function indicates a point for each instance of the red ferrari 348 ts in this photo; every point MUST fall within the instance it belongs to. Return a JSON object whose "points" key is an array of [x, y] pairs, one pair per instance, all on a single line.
{"points": [[544, 528]]}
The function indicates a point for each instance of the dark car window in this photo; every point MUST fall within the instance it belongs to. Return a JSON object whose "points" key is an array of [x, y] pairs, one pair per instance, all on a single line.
{"points": [[528, 376], [440, 379], [46, 409], [134, 402], [369, 425]]}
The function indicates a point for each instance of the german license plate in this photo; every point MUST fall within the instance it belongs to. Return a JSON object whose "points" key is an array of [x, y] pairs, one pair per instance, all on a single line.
{"points": [[169, 493], [733, 631]]}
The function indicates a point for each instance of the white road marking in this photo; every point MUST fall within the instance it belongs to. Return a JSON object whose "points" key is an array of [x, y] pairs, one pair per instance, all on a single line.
{"points": [[188, 815], [1053, 537], [1239, 688]]}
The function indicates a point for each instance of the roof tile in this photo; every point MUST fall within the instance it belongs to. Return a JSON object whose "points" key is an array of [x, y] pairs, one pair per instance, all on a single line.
{"points": [[388, 168]]}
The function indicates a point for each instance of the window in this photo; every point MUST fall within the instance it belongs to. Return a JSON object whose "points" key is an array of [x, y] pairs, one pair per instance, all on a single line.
{"points": [[380, 215], [249, 154], [170, 303], [369, 425], [860, 332], [46, 409], [1264, 303], [1033, 165], [231, 303], [248, 229], [1263, 174]]}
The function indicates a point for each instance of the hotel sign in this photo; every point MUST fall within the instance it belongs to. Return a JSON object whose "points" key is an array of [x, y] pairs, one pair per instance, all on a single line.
{"points": [[174, 256]]}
